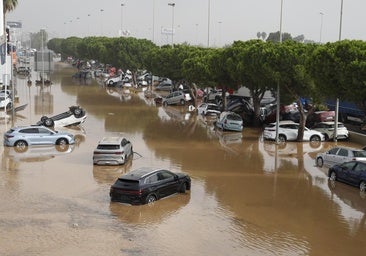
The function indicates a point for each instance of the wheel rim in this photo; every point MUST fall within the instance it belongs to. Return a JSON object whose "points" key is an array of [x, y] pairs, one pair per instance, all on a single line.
{"points": [[151, 199], [282, 138], [62, 142], [315, 139], [363, 186]]}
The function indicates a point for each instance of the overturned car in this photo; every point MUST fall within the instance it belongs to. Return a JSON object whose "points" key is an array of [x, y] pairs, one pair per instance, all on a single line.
{"points": [[74, 116]]}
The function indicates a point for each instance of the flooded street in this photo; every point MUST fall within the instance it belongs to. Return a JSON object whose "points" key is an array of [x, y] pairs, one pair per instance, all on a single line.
{"points": [[248, 196]]}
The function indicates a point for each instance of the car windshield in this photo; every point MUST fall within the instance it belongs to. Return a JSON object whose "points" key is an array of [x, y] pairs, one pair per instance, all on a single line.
{"points": [[108, 147], [234, 117], [359, 153]]}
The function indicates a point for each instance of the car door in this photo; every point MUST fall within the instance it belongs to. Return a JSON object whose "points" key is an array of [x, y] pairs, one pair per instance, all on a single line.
{"points": [[291, 131], [330, 157], [343, 155], [344, 171], [167, 183], [45, 136], [354, 175]]}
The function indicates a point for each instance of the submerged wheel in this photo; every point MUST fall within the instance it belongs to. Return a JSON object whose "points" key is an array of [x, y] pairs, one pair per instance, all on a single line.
{"points": [[282, 138], [150, 199], [319, 162], [363, 186], [333, 177], [62, 141], [183, 188], [20, 146], [165, 104], [314, 138], [182, 102]]}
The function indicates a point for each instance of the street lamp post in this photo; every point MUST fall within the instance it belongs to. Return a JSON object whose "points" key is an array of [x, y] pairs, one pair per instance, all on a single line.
{"points": [[172, 5], [122, 19], [321, 26], [208, 22], [337, 100], [278, 84], [101, 22]]}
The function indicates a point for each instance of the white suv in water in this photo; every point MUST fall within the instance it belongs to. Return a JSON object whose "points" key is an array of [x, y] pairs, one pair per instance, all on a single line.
{"points": [[112, 151], [288, 130]]}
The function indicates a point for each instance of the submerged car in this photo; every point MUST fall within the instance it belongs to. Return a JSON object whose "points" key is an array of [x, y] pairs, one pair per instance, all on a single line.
{"points": [[339, 155], [146, 185], [208, 109], [177, 97], [288, 130], [112, 151], [353, 173], [327, 128], [229, 121], [74, 116], [23, 136]]}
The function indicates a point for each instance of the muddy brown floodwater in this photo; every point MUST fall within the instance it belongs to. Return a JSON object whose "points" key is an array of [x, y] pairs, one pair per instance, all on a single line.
{"points": [[248, 197]]}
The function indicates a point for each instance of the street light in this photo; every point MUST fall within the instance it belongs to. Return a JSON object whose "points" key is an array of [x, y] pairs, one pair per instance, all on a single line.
{"points": [[122, 19], [153, 23], [208, 23], [172, 5], [101, 22], [321, 26]]}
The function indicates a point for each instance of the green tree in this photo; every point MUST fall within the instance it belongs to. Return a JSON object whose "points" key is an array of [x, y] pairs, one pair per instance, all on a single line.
{"points": [[9, 5]]}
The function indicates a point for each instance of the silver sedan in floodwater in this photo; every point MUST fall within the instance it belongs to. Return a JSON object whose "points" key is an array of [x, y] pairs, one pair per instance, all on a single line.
{"points": [[23, 136]]}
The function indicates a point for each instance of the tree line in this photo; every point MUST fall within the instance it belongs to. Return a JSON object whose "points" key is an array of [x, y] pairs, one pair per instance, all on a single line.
{"points": [[317, 71]]}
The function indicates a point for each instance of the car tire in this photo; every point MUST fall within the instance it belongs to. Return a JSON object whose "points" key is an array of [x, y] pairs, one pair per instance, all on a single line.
{"points": [[282, 138], [20, 146], [363, 186], [150, 199], [182, 102], [319, 162], [9, 106], [77, 112], [110, 82], [315, 138], [183, 188], [49, 122], [62, 141], [165, 104], [44, 118], [333, 176]]}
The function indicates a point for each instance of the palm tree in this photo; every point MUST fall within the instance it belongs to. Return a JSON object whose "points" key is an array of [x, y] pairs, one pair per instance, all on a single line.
{"points": [[9, 5]]}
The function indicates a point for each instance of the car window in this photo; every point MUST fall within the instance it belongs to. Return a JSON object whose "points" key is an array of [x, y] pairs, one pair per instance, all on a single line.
{"points": [[108, 146], [360, 167], [43, 131], [359, 153], [343, 152], [124, 142], [348, 165], [165, 175], [29, 130], [151, 179], [333, 151]]}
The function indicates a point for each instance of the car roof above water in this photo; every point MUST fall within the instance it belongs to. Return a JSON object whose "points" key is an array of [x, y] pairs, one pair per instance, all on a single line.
{"points": [[138, 173], [111, 140]]}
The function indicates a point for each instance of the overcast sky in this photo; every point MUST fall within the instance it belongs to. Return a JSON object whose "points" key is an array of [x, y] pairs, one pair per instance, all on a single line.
{"points": [[230, 20]]}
